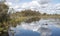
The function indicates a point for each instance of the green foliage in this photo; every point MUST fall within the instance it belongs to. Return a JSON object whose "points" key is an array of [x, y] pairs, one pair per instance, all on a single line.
{"points": [[23, 15], [1, 29], [4, 18], [30, 13], [44, 13], [27, 13], [3, 13]]}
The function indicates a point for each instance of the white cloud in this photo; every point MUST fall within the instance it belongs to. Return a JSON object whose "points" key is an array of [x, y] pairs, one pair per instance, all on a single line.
{"points": [[42, 1], [57, 6], [8, 3], [41, 5]]}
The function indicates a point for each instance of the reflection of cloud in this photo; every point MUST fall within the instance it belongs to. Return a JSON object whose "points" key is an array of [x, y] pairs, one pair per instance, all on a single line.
{"points": [[31, 26], [45, 31], [36, 27]]}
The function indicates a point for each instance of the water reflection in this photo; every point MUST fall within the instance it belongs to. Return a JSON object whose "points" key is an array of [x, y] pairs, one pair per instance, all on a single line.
{"points": [[32, 19], [45, 30], [43, 27]]}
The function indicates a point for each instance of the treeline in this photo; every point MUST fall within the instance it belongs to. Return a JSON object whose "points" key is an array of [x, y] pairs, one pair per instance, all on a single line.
{"points": [[30, 13], [26, 13]]}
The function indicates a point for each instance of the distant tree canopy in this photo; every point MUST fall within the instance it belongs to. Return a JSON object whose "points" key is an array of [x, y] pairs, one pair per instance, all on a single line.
{"points": [[44, 13], [28, 13], [3, 12]]}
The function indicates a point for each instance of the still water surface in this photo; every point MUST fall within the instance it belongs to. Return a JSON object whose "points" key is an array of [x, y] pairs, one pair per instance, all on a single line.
{"points": [[38, 28]]}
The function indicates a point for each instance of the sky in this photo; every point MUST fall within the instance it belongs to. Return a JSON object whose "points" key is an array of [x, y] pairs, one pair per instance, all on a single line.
{"points": [[44, 6]]}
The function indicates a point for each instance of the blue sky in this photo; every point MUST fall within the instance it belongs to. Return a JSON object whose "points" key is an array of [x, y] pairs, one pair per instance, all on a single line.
{"points": [[22, 1], [25, 1], [50, 6], [56, 1], [19, 1]]}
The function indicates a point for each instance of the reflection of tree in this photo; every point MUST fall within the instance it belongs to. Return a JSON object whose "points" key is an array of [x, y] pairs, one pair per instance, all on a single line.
{"points": [[32, 19]]}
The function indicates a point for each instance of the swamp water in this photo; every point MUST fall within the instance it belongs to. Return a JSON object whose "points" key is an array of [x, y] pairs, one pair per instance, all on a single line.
{"points": [[43, 27]]}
